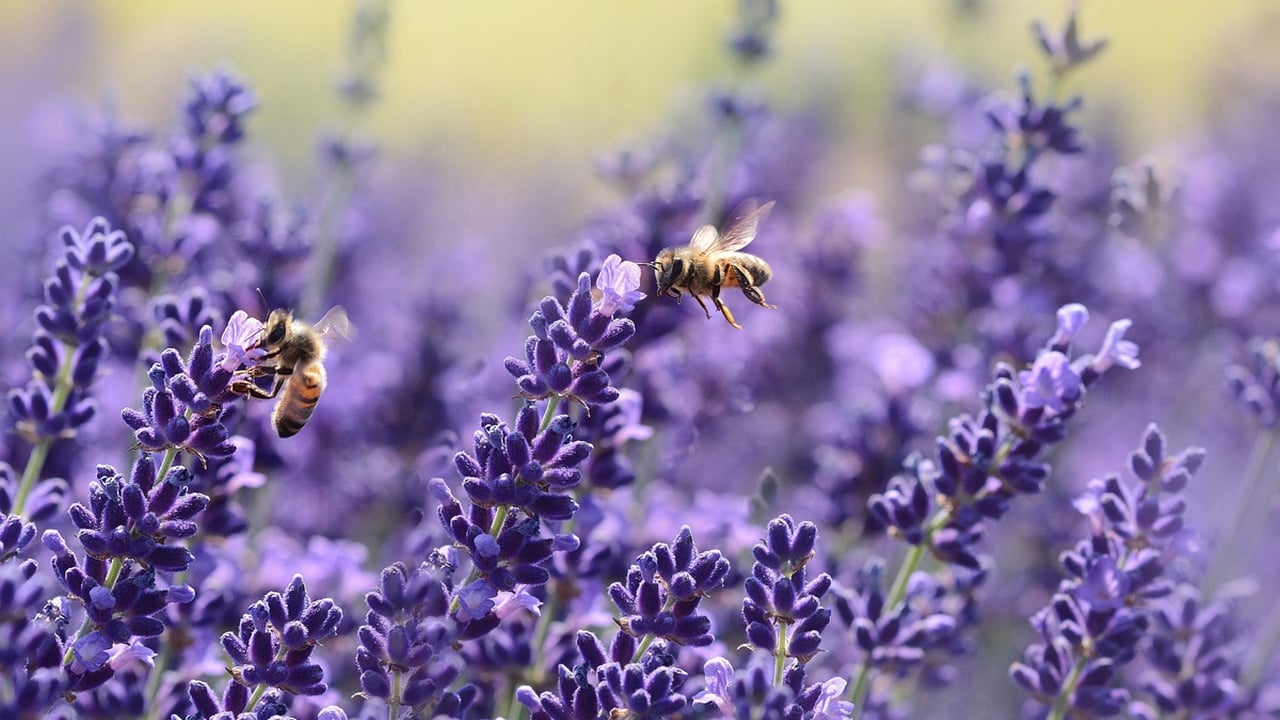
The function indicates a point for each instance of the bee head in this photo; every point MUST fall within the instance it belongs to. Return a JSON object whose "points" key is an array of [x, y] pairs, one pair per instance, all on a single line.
{"points": [[667, 269], [276, 328]]}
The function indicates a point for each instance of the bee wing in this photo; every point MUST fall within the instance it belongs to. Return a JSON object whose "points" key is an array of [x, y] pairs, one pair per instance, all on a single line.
{"points": [[704, 238], [742, 226], [334, 328]]}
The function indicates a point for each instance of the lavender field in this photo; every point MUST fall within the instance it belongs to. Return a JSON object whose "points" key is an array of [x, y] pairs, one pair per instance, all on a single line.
{"points": [[995, 437]]}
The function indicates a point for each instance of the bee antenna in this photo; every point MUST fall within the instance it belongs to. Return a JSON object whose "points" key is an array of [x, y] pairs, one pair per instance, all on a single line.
{"points": [[650, 264], [264, 299]]}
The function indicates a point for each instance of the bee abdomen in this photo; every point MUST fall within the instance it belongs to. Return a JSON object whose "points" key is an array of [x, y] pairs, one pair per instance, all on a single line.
{"points": [[298, 402], [758, 270]]}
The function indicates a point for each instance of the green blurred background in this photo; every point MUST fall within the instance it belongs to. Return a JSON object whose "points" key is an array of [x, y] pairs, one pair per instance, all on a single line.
{"points": [[503, 94]]}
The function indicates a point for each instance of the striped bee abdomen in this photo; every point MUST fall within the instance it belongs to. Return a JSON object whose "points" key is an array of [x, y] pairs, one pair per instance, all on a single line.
{"points": [[298, 399]]}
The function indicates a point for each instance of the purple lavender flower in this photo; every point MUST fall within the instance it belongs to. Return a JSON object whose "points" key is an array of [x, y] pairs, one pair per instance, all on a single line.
{"points": [[619, 283], [505, 550], [213, 124], [562, 357], [67, 347], [31, 632], [782, 608], [182, 410], [664, 588], [942, 505], [406, 654], [127, 532], [122, 602], [138, 519], [528, 467], [750, 693], [1103, 608], [1194, 669], [1064, 49], [272, 647], [609, 683]]}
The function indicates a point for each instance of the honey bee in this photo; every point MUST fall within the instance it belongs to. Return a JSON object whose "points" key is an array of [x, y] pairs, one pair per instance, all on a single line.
{"points": [[712, 260], [295, 354]]}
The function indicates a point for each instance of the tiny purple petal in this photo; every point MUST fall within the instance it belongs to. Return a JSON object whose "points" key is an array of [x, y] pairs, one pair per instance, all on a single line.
{"points": [[1116, 350], [718, 675], [239, 338], [619, 283], [509, 603], [829, 705]]}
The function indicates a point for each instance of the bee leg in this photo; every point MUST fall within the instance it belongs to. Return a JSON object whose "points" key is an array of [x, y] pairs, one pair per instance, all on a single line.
{"points": [[259, 370], [704, 305], [672, 293], [724, 309], [245, 387], [751, 291]]}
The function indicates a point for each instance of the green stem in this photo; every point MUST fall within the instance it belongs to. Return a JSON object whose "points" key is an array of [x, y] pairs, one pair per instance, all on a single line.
{"points": [[62, 387], [258, 692], [1063, 703], [861, 682], [780, 655], [515, 711], [1250, 508], [393, 705], [166, 463], [113, 574], [494, 528], [548, 414], [35, 463], [644, 645]]}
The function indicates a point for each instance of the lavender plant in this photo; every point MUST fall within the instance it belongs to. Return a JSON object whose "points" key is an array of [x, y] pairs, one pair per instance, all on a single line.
{"points": [[398, 559]]}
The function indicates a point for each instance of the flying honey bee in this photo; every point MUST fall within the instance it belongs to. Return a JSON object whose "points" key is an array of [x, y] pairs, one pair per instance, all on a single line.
{"points": [[712, 261], [294, 357]]}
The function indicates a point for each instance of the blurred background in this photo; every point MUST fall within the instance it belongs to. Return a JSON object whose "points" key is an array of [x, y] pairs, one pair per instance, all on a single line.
{"points": [[507, 103]]}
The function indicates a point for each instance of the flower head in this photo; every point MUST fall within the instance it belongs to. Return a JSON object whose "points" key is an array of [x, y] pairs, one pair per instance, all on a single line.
{"points": [[239, 340], [619, 282], [1116, 350], [1050, 383]]}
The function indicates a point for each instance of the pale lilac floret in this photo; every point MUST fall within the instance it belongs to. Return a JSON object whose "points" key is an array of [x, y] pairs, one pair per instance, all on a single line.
{"points": [[508, 603], [619, 282], [90, 652], [239, 338], [830, 704], [1116, 350], [133, 652], [1071, 318], [718, 675], [475, 599], [1051, 383]]}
